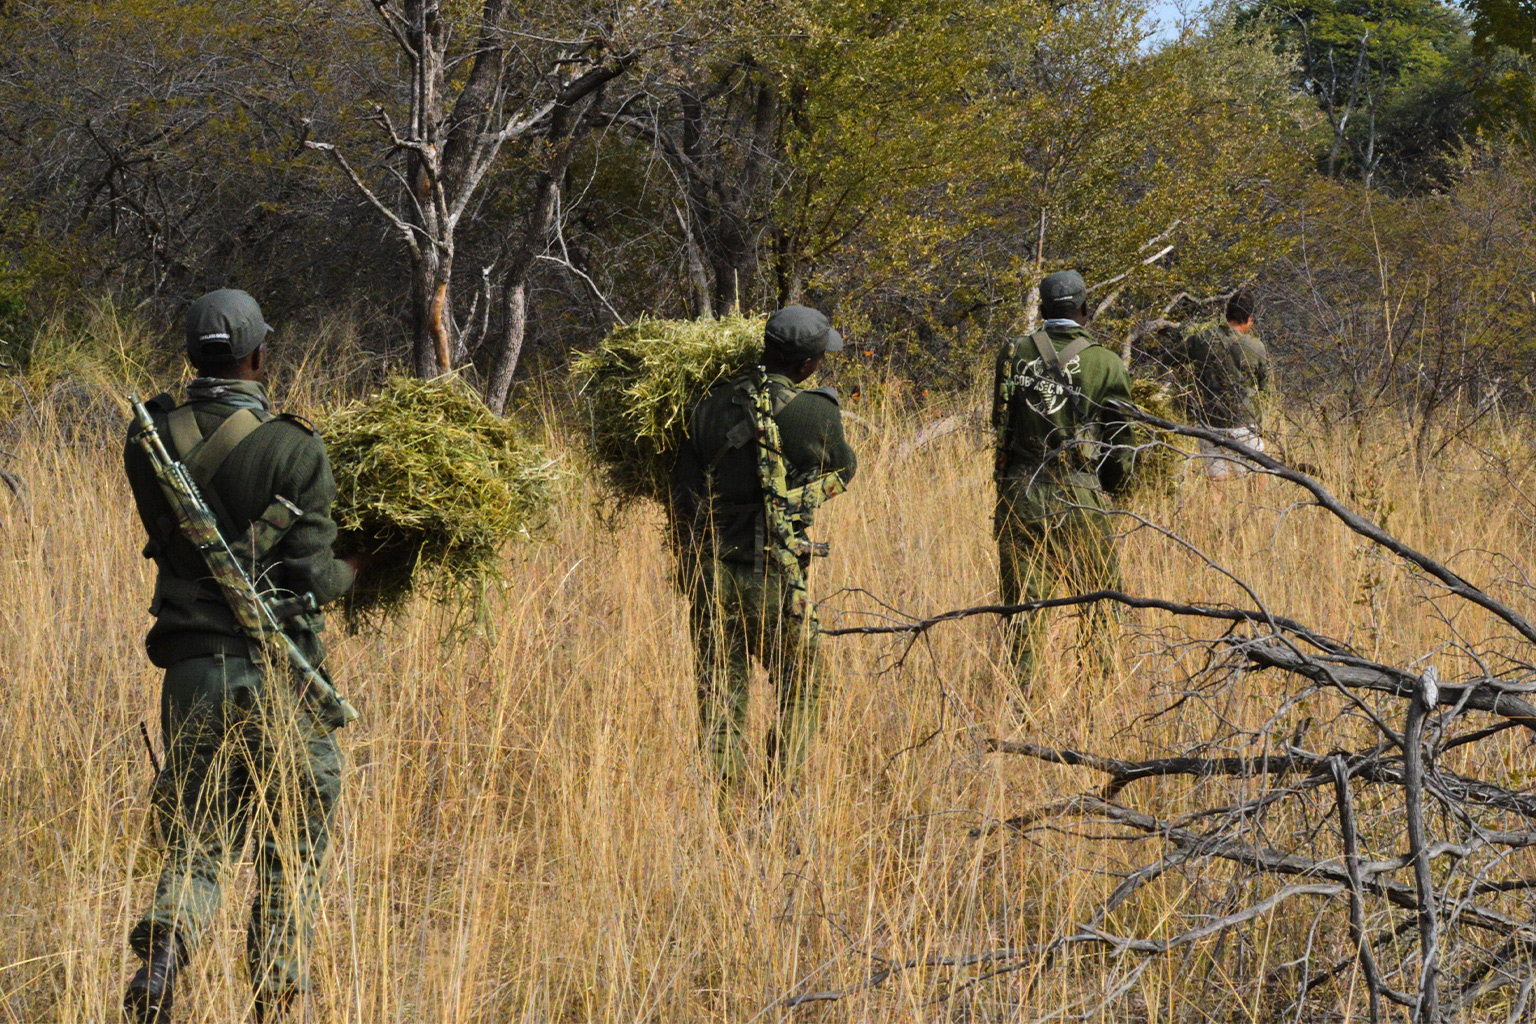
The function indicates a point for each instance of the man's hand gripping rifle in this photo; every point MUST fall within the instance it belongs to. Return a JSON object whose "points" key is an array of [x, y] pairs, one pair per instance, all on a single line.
{"points": [[253, 614]]}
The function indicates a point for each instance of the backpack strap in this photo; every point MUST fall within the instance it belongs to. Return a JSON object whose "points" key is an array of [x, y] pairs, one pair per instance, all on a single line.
{"points": [[185, 433], [1077, 348], [743, 432], [737, 437], [204, 458], [1056, 362]]}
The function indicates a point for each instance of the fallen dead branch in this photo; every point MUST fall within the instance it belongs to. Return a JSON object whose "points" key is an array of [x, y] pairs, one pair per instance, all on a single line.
{"points": [[1386, 831]]}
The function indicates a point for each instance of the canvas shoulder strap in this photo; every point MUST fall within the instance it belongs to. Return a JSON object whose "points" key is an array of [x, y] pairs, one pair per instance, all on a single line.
{"points": [[1072, 351], [185, 433], [1048, 354], [204, 455], [210, 455], [1057, 361], [745, 430]]}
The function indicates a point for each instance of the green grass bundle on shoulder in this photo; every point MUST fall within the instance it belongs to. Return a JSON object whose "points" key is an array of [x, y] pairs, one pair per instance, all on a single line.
{"points": [[428, 475], [638, 386], [1160, 456]]}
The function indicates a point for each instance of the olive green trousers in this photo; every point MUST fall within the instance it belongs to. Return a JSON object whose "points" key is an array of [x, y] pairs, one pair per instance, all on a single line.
{"points": [[738, 615], [1053, 537], [241, 760]]}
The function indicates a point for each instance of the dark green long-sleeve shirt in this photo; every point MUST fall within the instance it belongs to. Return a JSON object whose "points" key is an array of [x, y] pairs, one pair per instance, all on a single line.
{"points": [[1043, 433], [717, 500], [1230, 371], [283, 457]]}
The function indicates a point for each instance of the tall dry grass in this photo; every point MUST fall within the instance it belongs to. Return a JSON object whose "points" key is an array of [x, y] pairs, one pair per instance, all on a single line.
{"points": [[528, 832]]}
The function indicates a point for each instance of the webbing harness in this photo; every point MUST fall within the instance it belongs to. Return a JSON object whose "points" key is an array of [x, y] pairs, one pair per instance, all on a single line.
{"points": [[203, 457]]}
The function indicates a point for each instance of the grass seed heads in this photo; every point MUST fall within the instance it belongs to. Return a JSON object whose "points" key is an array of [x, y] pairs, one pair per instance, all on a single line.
{"points": [[638, 386], [425, 466]]}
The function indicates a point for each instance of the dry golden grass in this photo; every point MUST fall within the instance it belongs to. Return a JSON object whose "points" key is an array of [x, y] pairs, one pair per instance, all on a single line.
{"points": [[528, 832]]}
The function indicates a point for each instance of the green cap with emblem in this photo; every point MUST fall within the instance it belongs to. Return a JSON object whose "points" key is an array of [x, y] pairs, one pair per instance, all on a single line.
{"points": [[1062, 293], [797, 333], [224, 325]]}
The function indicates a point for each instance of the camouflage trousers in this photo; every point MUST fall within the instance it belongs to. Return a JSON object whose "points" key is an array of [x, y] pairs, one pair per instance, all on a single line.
{"points": [[738, 615], [1050, 537], [241, 760]]}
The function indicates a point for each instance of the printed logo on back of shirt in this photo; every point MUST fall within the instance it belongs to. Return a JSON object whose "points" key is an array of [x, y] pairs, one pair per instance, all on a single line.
{"points": [[1043, 392]]}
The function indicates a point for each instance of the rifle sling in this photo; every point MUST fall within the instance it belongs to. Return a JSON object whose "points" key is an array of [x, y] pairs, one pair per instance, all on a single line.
{"points": [[185, 434]]}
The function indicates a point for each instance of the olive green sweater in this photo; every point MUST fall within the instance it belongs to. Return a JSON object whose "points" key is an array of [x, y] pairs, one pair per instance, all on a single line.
{"points": [[283, 457]]}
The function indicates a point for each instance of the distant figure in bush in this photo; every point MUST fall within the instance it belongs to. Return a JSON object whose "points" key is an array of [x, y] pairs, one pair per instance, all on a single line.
{"points": [[762, 454], [240, 747], [1229, 371], [1060, 448]]}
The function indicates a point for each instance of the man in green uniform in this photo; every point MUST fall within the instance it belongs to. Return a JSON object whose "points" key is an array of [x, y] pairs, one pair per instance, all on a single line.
{"points": [[240, 747], [1060, 447], [1230, 371], [743, 549]]}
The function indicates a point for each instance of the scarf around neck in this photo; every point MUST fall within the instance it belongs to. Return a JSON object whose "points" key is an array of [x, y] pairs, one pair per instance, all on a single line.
{"points": [[246, 394]]}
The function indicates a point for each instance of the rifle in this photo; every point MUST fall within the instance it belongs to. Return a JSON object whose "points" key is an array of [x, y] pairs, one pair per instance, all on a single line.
{"points": [[784, 507], [253, 614]]}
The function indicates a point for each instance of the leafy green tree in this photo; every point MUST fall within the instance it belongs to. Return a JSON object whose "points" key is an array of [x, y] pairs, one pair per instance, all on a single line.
{"points": [[1157, 173], [1394, 81], [1510, 23], [792, 128]]}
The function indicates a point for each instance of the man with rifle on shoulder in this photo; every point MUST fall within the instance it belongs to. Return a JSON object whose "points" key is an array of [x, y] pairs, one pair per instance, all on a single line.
{"points": [[762, 454], [236, 502]]}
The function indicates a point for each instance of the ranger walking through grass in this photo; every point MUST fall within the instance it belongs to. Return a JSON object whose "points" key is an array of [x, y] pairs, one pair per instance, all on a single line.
{"points": [[1229, 368], [243, 743], [1059, 449], [762, 454]]}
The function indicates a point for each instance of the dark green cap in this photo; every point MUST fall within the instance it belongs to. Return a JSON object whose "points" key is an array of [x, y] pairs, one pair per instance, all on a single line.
{"points": [[225, 324], [1062, 292], [797, 333]]}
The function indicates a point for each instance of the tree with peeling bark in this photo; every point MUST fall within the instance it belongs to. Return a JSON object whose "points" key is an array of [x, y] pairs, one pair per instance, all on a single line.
{"points": [[479, 81]]}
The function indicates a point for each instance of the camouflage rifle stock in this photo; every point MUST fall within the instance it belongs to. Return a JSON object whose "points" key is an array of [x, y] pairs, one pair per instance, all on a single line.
{"points": [[253, 614], [784, 507]]}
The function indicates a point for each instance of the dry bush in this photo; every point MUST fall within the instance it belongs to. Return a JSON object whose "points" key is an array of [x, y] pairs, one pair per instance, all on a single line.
{"points": [[528, 832]]}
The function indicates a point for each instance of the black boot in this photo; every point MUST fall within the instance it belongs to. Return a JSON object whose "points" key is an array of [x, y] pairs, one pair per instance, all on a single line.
{"points": [[150, 993]]}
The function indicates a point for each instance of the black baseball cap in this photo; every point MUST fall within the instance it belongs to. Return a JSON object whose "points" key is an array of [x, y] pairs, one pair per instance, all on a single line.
{"points": [[1063, 292], [225, 324], [797, 333]]}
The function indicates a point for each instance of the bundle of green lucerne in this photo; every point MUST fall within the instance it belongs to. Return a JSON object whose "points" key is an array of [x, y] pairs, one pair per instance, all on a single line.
{"points": [[638, 386], [1160, 456], [430, 478]]}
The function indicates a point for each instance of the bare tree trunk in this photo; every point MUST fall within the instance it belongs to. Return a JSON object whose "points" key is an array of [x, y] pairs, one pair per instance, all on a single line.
{"points": [[568, 121], [431, 315], [514, 314], [698, 280], [462, 113]]}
